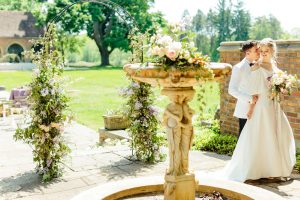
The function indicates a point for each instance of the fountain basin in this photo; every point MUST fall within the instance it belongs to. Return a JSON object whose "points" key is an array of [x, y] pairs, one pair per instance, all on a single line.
{"points": [[128, 187], [157, 76]]}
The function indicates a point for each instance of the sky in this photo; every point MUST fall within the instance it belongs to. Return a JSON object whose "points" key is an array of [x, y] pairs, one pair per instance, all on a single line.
{"points": [[286, 11]]}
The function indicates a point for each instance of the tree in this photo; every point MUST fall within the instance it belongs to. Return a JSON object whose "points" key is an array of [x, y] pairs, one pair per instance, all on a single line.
{"points": [[68, 44], [264, 27], [242, 22], [24, 5], [103, 25], [186, 19], [223, 21], [213, 34], [200, 28], [219, 25]]}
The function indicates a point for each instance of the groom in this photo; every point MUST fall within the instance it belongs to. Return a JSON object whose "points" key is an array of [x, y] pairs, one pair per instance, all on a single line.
{"points": [[239, 80]]}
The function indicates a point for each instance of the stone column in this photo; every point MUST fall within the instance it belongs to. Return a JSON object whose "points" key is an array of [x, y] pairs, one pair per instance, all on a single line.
{"points": [[179, 181]]}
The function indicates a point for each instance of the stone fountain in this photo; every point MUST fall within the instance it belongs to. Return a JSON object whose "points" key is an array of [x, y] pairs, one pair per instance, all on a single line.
{"points": [[178, 183], [178, 85]]}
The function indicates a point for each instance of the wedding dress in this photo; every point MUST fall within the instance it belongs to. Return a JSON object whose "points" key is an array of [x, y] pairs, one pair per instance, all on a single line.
{"points": [[266, 147]]}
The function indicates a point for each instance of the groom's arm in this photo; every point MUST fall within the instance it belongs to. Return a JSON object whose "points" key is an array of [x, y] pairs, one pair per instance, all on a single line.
{"points": [[234, 84]]}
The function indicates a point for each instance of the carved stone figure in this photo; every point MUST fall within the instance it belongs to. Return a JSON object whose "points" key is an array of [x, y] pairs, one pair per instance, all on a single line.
{"points": [[177, 119]]}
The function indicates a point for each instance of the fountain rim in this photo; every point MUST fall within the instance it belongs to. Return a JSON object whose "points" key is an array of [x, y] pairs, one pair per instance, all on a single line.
{"points": [[144, 185]]}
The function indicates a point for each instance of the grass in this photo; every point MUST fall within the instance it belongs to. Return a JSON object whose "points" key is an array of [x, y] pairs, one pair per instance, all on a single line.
{"points": [[96, 90]]}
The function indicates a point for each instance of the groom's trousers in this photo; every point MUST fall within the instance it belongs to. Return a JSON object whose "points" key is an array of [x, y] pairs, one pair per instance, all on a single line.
{"points": [[242, 123]]}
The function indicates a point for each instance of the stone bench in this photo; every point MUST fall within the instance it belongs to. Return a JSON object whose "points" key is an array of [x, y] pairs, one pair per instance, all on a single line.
{"points": [[112, 134]]}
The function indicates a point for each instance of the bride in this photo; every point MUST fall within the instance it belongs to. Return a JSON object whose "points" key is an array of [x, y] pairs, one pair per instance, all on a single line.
{"points": [[266, 147]]}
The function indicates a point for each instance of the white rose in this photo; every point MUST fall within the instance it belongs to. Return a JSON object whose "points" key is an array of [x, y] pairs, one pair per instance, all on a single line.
{"points": [[165, 40]]}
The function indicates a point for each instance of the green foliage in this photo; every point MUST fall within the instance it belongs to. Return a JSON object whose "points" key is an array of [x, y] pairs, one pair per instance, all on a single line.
{"points": [[201, 101], [143, 127], [297, 166], [206, 112], [210, 139], [223, 20], [48, 103], [213, 34], [214, 28], [89, 52], [11, 58], [68, 44], [229, 22], [200, 27], [24, 5], [242, 22], [266, 27]]}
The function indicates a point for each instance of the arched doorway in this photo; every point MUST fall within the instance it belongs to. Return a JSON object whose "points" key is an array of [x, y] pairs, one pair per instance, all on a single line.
{"points": [[16, 49]]}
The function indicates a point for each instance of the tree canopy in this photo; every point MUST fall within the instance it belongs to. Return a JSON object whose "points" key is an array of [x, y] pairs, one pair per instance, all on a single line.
{"points": [[105, 25]]}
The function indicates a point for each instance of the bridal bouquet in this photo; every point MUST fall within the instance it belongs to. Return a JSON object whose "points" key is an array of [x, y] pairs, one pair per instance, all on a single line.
{"points": [[281, 83]]}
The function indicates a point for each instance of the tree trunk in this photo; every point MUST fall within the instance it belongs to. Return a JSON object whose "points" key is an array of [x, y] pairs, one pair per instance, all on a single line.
{"points": [[100, 32], [104, 53]]}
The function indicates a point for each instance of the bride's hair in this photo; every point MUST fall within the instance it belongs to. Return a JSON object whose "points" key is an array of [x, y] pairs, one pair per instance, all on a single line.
{"points": [[269, 42]]}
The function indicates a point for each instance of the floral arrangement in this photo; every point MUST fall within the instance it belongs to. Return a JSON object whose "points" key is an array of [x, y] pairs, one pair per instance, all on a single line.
{"points": [[169, 48], [48, 102], [175, 48], [281, 83], [143, 117]]}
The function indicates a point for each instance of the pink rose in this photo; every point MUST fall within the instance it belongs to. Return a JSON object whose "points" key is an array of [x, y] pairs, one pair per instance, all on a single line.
{"points": [[171, 54]]}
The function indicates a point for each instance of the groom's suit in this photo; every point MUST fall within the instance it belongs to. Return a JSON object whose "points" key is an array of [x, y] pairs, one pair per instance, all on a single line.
{"points": [[238, 89]]}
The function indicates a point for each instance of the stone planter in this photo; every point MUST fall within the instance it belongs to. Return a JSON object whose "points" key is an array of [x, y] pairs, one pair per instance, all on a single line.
{"points": [[115, 122]]}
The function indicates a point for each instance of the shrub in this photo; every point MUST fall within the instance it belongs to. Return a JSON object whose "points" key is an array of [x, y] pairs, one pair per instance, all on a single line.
{"points": [[297, 166], [11, 58], [210, 139]]}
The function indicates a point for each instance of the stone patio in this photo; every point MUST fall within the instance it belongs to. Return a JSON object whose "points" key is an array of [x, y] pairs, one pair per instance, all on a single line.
{"points": [[91, 164]]}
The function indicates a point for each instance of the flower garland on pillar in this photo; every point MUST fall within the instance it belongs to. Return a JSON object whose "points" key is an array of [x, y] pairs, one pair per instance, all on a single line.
{"points": [[144, 122], [48, 102]]}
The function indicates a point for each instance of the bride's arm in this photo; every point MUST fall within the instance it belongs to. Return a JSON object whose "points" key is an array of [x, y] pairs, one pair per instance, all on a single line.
{"points": [[252, 105]]}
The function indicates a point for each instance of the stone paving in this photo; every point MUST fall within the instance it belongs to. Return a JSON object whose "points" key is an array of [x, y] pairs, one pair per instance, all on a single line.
{"points": [[91, 164]]}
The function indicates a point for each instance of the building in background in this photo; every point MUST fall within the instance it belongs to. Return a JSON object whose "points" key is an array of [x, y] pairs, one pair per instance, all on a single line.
{"points": [[16, 30]]}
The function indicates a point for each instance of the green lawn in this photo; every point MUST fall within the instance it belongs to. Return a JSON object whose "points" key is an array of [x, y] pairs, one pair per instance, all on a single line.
{"points": [[96, 90]]}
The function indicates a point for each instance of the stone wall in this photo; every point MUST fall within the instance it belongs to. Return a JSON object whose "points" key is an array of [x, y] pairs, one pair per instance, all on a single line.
{"points": [[288, 59]]}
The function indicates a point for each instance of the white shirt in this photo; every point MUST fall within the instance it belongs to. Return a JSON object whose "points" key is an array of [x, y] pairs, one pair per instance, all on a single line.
{"points": [[238, 88]]}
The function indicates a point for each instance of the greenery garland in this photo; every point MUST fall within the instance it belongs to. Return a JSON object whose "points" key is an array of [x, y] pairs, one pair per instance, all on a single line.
{"points": [[143, 117], [48, 103]]}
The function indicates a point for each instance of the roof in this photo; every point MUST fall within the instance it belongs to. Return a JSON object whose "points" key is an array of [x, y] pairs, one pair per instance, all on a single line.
{"points": [[18, 24]]}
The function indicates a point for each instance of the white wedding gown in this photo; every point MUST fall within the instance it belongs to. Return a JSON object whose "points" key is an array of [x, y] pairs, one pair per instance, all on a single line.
{"points": [[266, 147]]}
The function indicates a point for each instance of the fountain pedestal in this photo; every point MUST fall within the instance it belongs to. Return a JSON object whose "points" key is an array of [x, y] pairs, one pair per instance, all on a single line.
{"points": [[177, 118], [180, 187]]}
